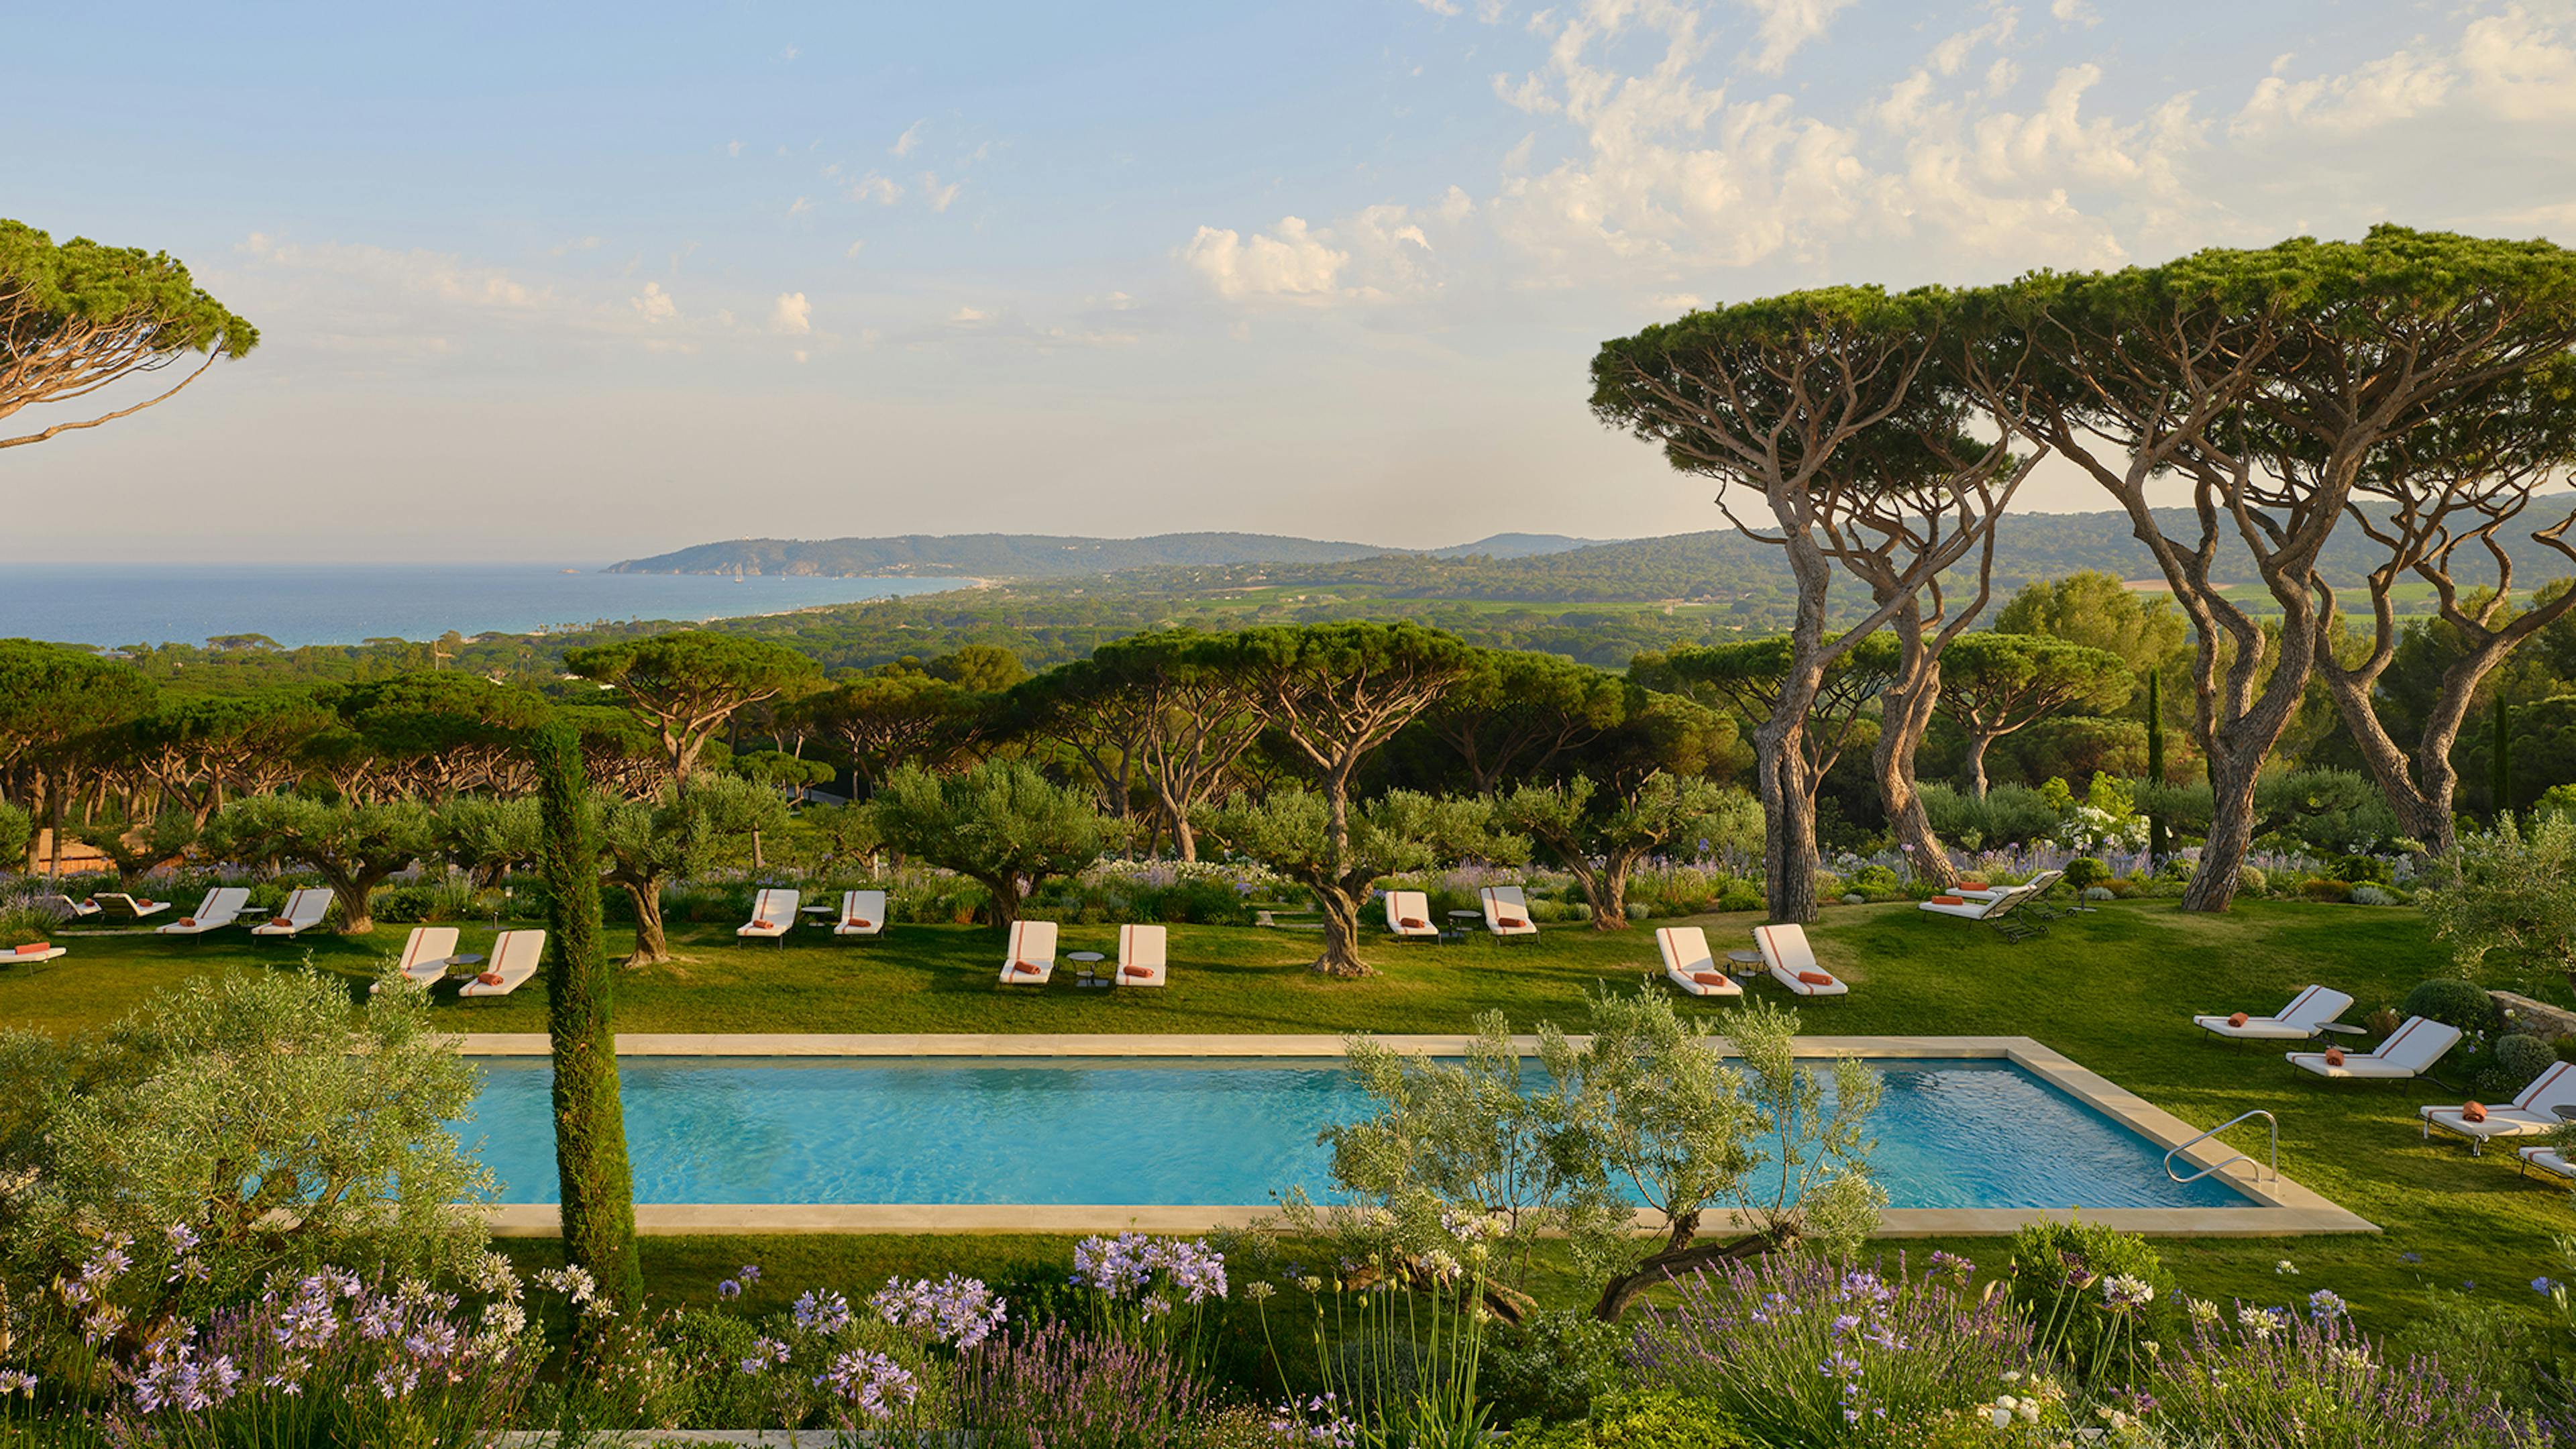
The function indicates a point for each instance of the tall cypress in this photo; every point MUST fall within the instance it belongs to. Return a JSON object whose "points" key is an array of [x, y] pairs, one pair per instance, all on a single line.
{"points": [[2500, 763], [598, 1185], [2155, 763]]}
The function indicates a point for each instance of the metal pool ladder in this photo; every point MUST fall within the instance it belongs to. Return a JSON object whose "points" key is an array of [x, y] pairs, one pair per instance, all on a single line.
{"points": [[2225, 1163]]}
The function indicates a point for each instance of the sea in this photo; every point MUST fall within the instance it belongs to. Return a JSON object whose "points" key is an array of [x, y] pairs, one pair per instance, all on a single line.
{"points": [[111, 605]]}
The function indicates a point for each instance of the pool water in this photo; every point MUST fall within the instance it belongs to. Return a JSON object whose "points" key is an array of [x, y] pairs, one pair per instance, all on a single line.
{"points": [[1128, 1131]]}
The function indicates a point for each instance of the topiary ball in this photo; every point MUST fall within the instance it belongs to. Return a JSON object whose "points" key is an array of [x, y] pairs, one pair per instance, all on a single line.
{"points": [[2084, 871], [2514, 1060], [2453, 1003]]}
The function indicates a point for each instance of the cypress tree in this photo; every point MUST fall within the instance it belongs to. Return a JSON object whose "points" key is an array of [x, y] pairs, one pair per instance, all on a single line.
{"points": [[598, 1186], [2155, 763], [2500, 763]]}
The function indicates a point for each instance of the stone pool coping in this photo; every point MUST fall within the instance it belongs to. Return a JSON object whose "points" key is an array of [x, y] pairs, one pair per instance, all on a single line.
{"points": [[2278, 1207]]}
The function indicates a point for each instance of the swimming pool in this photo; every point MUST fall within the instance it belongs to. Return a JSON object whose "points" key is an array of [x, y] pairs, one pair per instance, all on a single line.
{"points": [[1952, 1133]]}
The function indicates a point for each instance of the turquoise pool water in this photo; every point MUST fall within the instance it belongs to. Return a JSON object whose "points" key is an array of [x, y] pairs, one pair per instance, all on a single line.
{"points": [[1951, 1134]]}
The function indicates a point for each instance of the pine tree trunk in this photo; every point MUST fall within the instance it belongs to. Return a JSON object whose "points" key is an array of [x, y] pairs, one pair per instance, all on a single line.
{"points": [[1788, 817], [595, 1178], [2156, 845], [1906, 714], [2499, 765], [2232, 778]]}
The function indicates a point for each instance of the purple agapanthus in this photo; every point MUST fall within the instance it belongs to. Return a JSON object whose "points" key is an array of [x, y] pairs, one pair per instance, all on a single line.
{"points": [[870, 1383], [959, 1311]]}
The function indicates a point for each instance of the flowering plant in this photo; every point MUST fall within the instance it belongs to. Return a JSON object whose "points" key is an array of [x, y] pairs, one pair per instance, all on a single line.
{"points": [[2270, 1376], [1152, 1290]]}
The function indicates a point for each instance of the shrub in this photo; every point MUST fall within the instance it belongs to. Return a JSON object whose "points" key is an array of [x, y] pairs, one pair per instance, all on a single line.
{"points": [[2512, 1062], [2249, 879], [2367, 894], [2085, 870], [2358, 869], [1740, 895], [1790, 1345], [2100, 893], [21, 924], [1655, 1420], [1553, 1366], [1876, 882], [2383, 1022], [2453, 1003], [2090, 1294], [2276, 1377], [2318, 888]]}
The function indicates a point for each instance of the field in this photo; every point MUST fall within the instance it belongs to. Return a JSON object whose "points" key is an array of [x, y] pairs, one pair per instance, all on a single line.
{"points": [[2113, 989]]}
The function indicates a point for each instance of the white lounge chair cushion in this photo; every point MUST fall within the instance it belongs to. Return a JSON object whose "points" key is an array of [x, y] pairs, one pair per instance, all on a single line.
{"points": [[49, 953], [1507, 912], [2526, 1115], [2407, 1052], [1140, 956], [1414, 906], [863, 913], [221, 907], [1032, 946], [516, 956], [302, 912], [1689, 964], [1786, 952], [2297, 1021], [772, 913], [2548, 1160]]}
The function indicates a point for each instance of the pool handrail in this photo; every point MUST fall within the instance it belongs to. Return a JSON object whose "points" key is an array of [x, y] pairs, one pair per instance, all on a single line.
{"points": [[2230, 1161]]}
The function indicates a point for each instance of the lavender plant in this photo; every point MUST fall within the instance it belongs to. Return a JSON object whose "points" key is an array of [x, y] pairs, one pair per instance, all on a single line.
{"points": [[2271, 1376], [1812, 1350], [1053, 1387]]}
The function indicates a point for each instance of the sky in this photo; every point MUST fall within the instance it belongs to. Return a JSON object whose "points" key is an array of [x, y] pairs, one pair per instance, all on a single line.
{"points": [[572, 283]]}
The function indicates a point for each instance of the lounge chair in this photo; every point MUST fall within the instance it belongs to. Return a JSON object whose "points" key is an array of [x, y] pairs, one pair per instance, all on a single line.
{"points": [[2038, 885], [1408, 913], [32, 951], [78, 910], [1793, 961], [221, 907], [428, 954], [773, 914], [2016, 916], [516, 955], [2549, 1160], [1690, 965], [302, 912], [1140, 957], [2298, 1021], [1507, 912], [2528, 1115], [1977, 906], [1032, 958], [863, 913], [2410, 1051], [136, 906]]}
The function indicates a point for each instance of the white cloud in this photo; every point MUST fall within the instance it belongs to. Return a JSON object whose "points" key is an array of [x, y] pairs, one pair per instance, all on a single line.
{"points": [[855, 248], [1788, 25], [437, 275], [800, 206], [2393, 88], [655, 304], [791, 314], [1293, 263], [1440, 7], [970, 315], [937, 195], [2521, 70], [878, 189], [2074, 12], [733, 148], [910, 138], [585, 244]]}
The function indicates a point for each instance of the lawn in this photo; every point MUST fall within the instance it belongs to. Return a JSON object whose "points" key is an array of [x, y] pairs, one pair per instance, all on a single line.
{"points": [[2113, 989]]}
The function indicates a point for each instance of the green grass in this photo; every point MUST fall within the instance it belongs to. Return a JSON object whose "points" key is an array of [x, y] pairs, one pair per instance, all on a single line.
{"points": [[2114, 990]]}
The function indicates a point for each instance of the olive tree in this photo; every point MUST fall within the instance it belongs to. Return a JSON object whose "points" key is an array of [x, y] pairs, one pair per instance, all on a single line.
{"points": [[2506, 900], [1339, 854], [354, 848], [487, 838], [257, 1111], [690, 682], [646, 844], [77, 318], [1599, 834], [1001, 824], [1644, 1133]]}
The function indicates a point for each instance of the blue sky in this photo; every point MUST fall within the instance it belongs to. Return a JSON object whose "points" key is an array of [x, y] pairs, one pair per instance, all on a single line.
{"points": [[551, 283]]}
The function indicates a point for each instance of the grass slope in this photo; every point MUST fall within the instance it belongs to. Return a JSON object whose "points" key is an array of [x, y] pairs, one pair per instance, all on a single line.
{"points": [[2113, 989]]}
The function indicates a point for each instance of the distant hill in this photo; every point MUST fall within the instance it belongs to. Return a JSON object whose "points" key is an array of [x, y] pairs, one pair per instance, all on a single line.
{"points": [[1716, 565], [1509, 545], [1036, 556], [986, 555]]}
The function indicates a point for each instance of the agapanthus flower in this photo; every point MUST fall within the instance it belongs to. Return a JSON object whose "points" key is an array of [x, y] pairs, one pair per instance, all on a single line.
{"points": [[821, 1312], [17, 1381], [870, 1382], [766, 1353]]}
